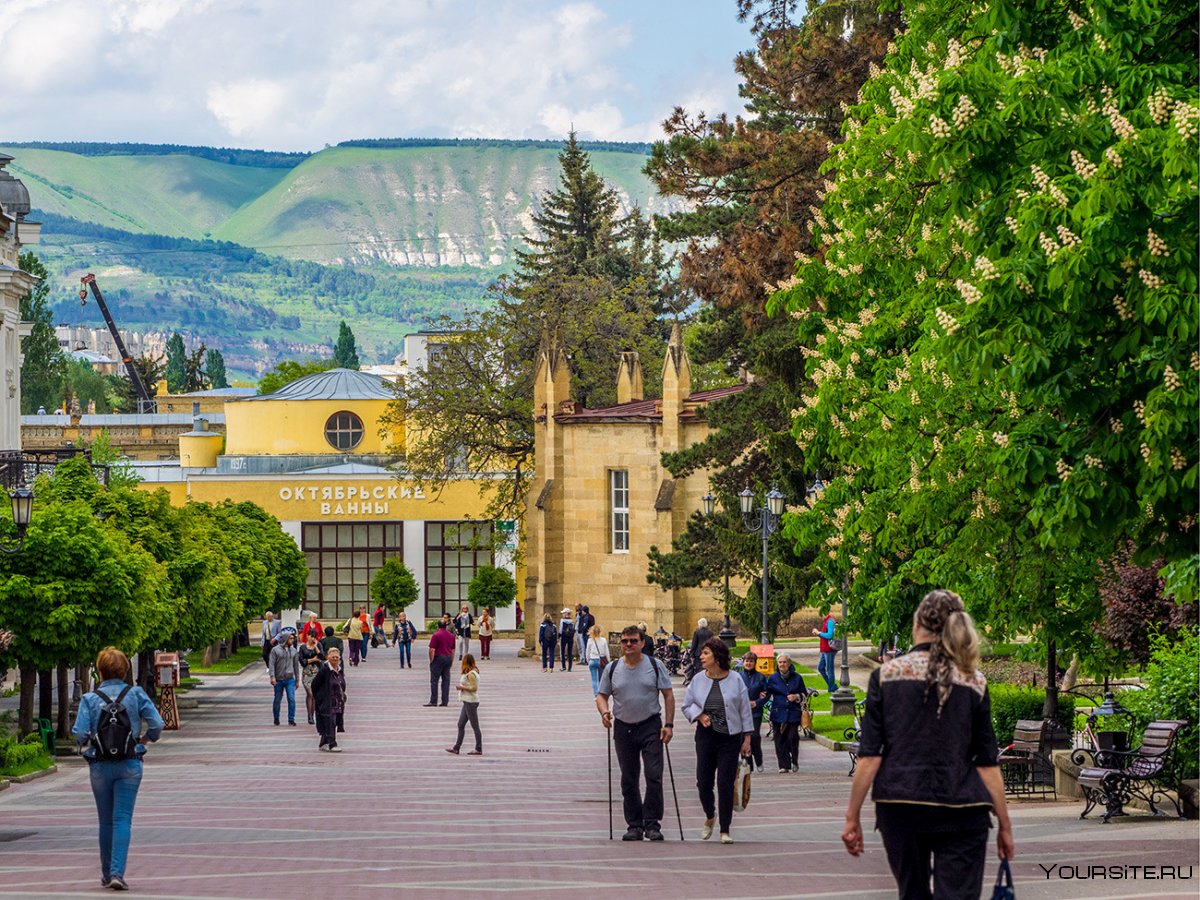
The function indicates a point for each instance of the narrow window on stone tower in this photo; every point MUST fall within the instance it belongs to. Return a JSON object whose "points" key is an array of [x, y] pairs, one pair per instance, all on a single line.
{"points": [[618, 482]]}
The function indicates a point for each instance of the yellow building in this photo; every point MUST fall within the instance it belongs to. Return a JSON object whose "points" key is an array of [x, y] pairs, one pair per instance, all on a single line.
{"points": [[601, 496], [312, 456]]}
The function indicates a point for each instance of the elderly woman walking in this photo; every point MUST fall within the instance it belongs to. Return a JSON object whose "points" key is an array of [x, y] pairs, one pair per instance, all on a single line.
{"points": [[929, 750], [329, 692], [787, 691], [719, 705]]}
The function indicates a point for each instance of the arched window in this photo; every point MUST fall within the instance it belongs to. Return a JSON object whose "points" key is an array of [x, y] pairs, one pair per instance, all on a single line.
{"points": [[344, 430]]}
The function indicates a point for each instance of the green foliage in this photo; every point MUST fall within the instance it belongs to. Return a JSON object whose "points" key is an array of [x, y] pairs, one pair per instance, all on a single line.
{"points": [[42, 364], [1001, 323], [289, 370], [234, 156], [177, 364], [1171, 692], [748, 185], [592, 281], [120, 472], [1012, 703], [20, 757], [214, 365], [394, 586], [492, 587], [345, 354], [83, 383]]}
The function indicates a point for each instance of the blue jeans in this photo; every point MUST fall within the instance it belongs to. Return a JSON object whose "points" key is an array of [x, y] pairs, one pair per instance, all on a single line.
{"points": [[548, 654], [405, 648], [366, 642], [115, 786], [290, 687], [594, 671], [826, 667]]}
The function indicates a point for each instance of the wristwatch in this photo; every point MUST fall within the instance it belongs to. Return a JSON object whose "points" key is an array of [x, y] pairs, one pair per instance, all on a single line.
{"points": [[669, 725]]}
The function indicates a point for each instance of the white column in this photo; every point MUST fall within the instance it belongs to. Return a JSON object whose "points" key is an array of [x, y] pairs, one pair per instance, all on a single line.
{"points": [[414, 558]]}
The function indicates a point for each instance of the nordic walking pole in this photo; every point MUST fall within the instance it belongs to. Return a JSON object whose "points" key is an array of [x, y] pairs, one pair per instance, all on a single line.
{"points": [[610, 814], [671, 770]]}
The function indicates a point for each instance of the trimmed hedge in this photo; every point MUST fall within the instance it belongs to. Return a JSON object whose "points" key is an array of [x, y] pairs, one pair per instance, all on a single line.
{"points": [[14, 754], [1011, 703]]}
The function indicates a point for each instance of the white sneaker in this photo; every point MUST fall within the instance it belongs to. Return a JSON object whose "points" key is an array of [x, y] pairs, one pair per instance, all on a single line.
{"points": [[706, 831], [726, 839], [335, 749]]}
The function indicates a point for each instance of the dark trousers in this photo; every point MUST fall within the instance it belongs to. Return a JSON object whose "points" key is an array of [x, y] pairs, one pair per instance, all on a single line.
{"points": [[485, 646], [957, 857], [565, 648], [439, 670], [469, 712], [787, 744], [756, 744], [717, 757], [640, 744], [327, 728], [548, 655]]}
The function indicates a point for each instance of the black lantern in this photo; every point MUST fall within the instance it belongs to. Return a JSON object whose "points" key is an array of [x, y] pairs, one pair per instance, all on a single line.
{"points": [[22, 513], [710, 503]]}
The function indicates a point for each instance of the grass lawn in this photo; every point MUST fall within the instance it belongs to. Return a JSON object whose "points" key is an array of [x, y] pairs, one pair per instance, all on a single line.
{"points": [[28, 767], [234, 663], [820, 703], [832, 727]]}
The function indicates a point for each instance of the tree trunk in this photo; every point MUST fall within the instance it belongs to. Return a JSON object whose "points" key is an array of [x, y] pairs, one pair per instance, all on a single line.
{"points": [[28, 685], [45, 694], [146, 673], [1050, 708], [64, 702]]}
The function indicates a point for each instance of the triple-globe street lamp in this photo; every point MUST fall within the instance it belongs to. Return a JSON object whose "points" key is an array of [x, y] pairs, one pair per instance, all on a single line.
{"points": [[765, 521]]}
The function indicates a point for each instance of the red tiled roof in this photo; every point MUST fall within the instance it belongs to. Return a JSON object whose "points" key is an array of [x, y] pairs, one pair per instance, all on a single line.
{"points": [[647, 410]]}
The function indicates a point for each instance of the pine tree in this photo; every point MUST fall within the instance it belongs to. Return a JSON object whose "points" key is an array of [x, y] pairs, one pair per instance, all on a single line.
{"points": [[214, 365], [345, 353], [176, 371], [43, 366]]}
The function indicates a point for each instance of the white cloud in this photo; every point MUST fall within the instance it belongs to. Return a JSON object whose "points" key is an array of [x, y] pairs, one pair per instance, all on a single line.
{"points": [[296, 74]]}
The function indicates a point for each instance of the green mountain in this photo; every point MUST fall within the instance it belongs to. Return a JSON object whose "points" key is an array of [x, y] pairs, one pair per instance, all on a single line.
{"points": [[262, 254]]}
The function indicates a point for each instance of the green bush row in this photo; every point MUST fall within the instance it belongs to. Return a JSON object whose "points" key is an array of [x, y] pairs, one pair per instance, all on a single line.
{"points": [[1011, 703], [14, 753]]}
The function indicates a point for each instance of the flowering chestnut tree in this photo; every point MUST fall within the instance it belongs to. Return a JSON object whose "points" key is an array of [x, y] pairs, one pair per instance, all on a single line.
{"points": [[1002, 321]]}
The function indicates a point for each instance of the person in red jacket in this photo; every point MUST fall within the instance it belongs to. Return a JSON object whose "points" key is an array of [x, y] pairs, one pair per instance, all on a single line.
{"points": [[312, 625], [828, 660], [378, 619]]}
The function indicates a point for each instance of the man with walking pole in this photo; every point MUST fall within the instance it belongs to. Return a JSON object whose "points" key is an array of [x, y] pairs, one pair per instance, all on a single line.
{"points": [[641, 730]]}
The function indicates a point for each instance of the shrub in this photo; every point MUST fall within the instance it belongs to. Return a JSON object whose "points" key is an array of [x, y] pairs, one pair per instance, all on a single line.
{"points": [[1011, 703], [492, 587], [15, 753], [1171, 692]]}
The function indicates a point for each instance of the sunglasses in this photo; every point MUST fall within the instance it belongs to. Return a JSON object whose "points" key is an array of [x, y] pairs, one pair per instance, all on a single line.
{"points": [[631, 640]]}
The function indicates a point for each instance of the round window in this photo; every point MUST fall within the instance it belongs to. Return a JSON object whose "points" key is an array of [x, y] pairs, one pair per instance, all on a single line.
{"points": [[344, 431]]}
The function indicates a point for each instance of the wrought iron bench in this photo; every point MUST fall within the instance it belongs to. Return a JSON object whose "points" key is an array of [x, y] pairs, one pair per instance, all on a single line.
{"points": [[853, 734], [1119, 776], [1025, 764]]}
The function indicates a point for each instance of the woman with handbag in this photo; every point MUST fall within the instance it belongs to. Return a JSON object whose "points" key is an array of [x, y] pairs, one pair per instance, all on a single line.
{"points": [[329, 692], [595, 652], [311, 656], [787, 691], [354, 638], [928, 748], [720, 707]]}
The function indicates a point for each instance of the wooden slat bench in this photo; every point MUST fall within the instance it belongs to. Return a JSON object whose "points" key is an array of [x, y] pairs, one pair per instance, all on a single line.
{"points": [[1118, 776], [1025, 764]]}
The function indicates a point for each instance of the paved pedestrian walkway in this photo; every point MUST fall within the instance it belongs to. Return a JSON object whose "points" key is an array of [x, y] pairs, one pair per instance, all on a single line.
{"points": [[234, 807]]}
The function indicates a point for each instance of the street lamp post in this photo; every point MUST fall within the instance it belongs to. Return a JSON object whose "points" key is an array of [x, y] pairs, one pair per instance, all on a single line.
{"points": [[842, 700], [765, 521], [728, 635], [22, 512]]}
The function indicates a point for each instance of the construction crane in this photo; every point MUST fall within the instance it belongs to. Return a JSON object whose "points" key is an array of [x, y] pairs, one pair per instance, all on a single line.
{"points": [[146, 403]]}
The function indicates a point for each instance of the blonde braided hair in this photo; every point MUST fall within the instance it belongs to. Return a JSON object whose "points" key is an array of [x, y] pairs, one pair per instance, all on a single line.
{"points": [[955, 644]]}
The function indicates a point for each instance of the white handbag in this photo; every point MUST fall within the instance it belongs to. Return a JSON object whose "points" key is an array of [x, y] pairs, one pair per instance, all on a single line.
{"points": [[741, 785]]}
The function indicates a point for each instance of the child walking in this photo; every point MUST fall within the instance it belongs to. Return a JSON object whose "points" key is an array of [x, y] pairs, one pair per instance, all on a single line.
{"points": [[468, 692]]}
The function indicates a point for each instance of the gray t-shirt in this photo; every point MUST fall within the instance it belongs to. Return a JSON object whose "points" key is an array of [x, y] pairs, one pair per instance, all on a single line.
{"points": [[634, 692]]}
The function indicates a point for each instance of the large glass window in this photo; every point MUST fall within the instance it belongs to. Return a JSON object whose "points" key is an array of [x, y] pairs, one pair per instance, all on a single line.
{"points": [[342, 559], [454, 551], [344, 431], [618, 483]]}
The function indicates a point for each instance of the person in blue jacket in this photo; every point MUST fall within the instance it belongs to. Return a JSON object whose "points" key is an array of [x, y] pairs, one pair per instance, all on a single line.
{"points": [[756, 687], [787, 691], [115, 781]]}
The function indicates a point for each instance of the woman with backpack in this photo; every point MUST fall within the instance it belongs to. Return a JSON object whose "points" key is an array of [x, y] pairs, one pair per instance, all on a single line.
{"points": [[548, 638], [110, 722]]}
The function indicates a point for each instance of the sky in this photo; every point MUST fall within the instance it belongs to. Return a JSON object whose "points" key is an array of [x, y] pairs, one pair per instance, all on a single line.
{"points": [[301, 74]]}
